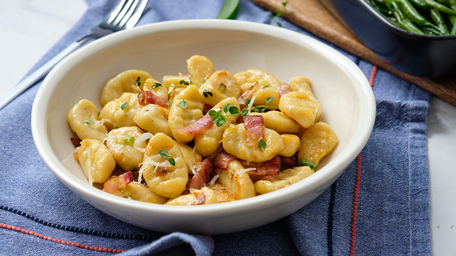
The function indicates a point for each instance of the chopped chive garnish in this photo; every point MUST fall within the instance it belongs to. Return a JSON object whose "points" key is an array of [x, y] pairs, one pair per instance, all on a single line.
{"points": [[127, 140], [124, 105], [87, 122]]}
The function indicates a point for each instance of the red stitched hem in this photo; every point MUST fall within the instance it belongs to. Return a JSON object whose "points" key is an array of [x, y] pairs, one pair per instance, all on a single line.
{"points": [[88, 247], [357, 183]]}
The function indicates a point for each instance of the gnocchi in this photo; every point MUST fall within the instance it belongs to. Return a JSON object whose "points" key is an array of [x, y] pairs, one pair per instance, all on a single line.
{"points": [[207, 137]]}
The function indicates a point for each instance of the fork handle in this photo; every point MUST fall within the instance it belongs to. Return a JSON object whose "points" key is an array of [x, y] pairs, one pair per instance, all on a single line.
{"points": [[39, 73]]}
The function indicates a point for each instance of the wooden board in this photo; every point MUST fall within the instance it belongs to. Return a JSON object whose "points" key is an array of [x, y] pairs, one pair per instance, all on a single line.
{"points": [[316, 18]]}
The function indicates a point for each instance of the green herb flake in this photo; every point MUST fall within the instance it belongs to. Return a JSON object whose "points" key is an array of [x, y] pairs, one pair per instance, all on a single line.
{"points": [[138, 81], [156, 85], [124, 105], [171, 161], [269, 100], [134, 169], [184, 82], [244, 111], [204, 80], [304, 162], [87, 122], [169, 103], [247, 101], [262, 144], [279, 14], [226, 108], [183, 103], [165, 154], [207, 93], [234, 110], [127, 140]]}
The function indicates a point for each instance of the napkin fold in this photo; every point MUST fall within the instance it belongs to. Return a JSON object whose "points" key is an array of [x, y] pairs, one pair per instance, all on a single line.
{"points": [[379, 205]]}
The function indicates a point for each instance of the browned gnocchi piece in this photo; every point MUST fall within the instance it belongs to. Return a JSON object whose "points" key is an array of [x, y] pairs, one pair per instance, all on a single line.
{"points": [[302, 107], [121, 144], [196, 197], [186, 108], [84, 121], [291, 144], [161, 176], [208, 141], [200, 68], [123, 82], [301, 84], [279, 122], [221, 85], [236, 180], [122, 110], [285, 178], [142, 193], [96, 161], [235, 143], [317, 142], [153, 119]]}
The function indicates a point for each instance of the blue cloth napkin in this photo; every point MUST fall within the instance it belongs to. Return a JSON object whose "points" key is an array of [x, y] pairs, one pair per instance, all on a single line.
{"points": [[379, 206]]}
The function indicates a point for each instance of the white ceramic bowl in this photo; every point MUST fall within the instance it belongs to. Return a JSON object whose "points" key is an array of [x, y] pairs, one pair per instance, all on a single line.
{"points": [[162, 49]]}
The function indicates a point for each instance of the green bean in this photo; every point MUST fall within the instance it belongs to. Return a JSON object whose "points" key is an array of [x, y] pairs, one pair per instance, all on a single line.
{"points": [[382, 10], [444, 2], [419, 4], [439, 21], [440, 7], [403, 21], [431, 27], [228, 10], [452, 4], [411, 12], [452, 19]]}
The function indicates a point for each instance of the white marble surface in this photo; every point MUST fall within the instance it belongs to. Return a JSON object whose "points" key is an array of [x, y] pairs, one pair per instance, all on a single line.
{"points": [[30, 27]]}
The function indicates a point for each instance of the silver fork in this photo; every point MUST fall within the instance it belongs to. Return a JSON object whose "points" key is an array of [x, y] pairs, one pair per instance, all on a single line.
{"points": [[124, 15]]}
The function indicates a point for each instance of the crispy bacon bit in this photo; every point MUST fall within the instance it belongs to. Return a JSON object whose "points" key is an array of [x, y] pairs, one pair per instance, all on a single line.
{"points": [[118, 182], [200, 197], [147, 97], [223, 159], [292, 160], [201, 125], [284, 89], [268, 168], [205, 168], [254, 128], [76, 142], [206, 108], [161, 170]]}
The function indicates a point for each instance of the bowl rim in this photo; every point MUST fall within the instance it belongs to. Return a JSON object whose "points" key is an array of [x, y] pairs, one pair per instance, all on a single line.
{"points": [[396, 29], [315, 181]]}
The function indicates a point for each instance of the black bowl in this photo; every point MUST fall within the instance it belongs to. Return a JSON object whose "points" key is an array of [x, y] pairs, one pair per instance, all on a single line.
{"points": [[416, 55]]}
